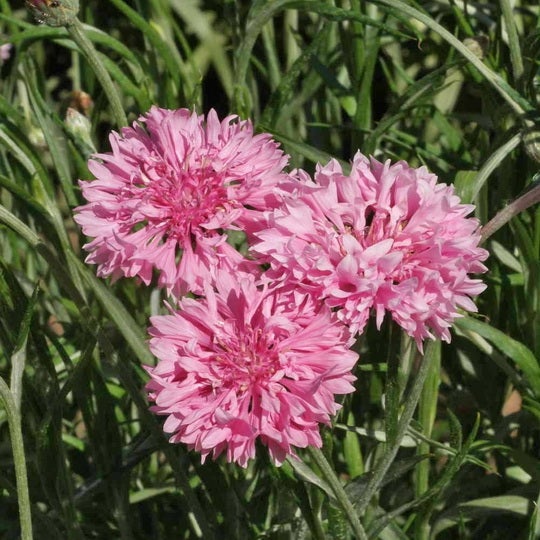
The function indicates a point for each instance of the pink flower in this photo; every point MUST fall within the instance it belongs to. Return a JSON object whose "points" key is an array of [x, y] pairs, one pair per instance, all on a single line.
{"points": [[170, 187], [387, 237], [244, 364]]}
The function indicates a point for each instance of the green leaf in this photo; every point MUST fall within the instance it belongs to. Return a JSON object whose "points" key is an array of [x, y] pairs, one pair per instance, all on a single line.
{"points": [[306, 474], [74, 442], [18, 356], [56, 144], [491, 164], [118, 313], [148, 493], [282, 95], [481, 508], [464, 184], [397, 470], [534, 525], [309, 152], [504, 256], [23, 195], [456, 433], [14, 223], [169, 55], [352, 451], [518, 352], [378, 435]]}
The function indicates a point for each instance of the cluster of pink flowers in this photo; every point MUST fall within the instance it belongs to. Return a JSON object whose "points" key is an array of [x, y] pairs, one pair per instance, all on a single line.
{"points": [[263, 348]]}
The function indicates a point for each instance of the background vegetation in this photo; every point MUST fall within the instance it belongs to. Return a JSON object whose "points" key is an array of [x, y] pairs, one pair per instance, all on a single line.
{"points": [[450, 84]]}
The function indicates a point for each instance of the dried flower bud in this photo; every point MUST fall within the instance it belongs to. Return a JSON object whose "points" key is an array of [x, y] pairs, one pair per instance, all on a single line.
{"points": [[478, 45], [54, 12], [81, 101]]}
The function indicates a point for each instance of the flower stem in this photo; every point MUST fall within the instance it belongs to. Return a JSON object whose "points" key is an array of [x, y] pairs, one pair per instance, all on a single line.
{"points": [[513, 209], [339, 492], [391, 451], [23, 497], [78, 35]]}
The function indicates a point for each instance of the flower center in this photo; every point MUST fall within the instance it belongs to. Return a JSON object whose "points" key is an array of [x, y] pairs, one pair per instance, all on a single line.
{"points": [[181, 201], [246, 359]]}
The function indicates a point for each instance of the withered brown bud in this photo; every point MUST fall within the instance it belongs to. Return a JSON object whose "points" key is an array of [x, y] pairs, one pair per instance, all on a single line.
{"points": [[54, 12]]}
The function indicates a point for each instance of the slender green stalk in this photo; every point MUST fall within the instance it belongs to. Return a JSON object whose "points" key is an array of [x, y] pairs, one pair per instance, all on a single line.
{"points": [[14, 223], [292, 50], [23, 496], [365, 54], [492, 163], [5, 9], [391, 451], [18, 357], [427, 410], [339, 492], [513, 40], [259, 16], [272, 62], [18, 360], [78, 35], [316, 527]]}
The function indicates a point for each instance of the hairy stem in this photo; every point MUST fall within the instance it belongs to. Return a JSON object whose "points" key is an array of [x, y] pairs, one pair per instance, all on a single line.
{"points": [[513, 209], [391, 451], [15, 430], [339, 492]]}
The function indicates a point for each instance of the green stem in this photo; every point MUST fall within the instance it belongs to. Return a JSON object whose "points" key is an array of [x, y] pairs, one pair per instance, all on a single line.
{"points": [[339, 492], [365, 54], [513, 209], [77, 33], [14, 421], [427, 411], [391, 451], [14, 223], [492, 163], [259, 15], [513, 40], [272, 62]]}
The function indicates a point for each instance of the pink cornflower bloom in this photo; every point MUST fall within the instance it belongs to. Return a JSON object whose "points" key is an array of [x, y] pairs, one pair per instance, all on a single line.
{"points": [[164, 196], [246, 363], [386, 237]]}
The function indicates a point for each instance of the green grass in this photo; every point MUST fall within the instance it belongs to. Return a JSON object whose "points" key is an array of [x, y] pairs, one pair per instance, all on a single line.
{"points": [[452, 85]]}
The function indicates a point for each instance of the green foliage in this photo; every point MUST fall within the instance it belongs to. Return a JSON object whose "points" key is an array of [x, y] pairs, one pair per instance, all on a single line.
{"points": [[454, 86]]}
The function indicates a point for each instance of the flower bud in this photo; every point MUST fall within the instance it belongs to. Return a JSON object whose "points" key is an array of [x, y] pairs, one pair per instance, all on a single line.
{"points": [[531, 142], [54, 12], [81, 101], [80, 128], [478, 45]]}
